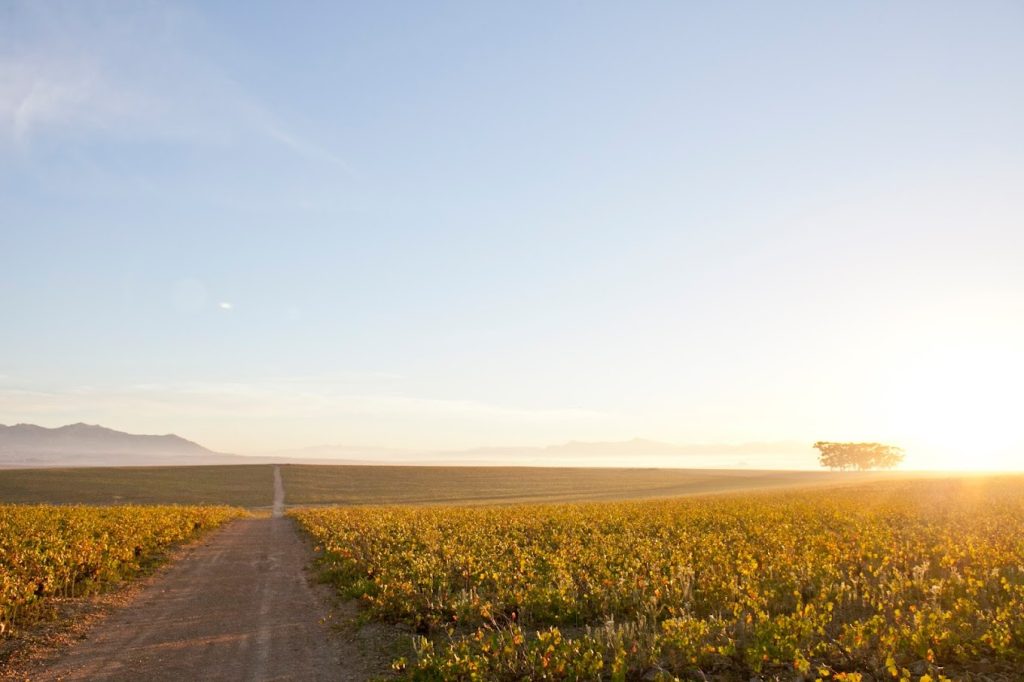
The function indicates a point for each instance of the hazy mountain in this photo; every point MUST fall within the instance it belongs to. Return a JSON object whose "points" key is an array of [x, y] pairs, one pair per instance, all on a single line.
{"points": [[28, 445], [638, 452], [91, 445], [643, 446], [348, 453]]}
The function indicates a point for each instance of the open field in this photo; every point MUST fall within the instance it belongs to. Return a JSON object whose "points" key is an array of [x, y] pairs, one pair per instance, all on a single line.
{"points": [[713, 575], [358, 485], [903, 580], [252, 485], [243, 486]]}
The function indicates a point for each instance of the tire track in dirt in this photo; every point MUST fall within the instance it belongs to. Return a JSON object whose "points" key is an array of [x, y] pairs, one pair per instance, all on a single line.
{"points": [[239, 607], [278, 508]]}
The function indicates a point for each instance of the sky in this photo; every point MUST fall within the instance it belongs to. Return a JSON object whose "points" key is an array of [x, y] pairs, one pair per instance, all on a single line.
{"points": [[451, 225]]}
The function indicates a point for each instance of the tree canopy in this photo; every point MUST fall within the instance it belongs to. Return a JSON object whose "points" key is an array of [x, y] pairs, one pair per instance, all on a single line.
{"points": [[860, 456]]}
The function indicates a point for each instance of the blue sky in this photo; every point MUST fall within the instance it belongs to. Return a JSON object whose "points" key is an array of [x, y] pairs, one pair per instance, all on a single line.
{"points": [[451, 225]]}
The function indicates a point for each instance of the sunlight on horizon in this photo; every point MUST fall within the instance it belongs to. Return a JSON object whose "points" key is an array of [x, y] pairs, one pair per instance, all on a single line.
{"points": [[961, 403]]}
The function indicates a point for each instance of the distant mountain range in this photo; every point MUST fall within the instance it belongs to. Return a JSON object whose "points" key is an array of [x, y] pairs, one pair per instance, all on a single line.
{"points": [[28, 445], [637, 452]]}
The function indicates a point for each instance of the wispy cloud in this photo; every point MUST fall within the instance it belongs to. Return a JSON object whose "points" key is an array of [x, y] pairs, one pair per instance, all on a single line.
{"points": [[143, 74], [287, 412], [305, 148], [38, 97], [304, 395]]}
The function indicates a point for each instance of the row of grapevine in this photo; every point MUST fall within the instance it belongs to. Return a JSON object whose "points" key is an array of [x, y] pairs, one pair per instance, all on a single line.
{"points": [[48, 551], [909, 581]]}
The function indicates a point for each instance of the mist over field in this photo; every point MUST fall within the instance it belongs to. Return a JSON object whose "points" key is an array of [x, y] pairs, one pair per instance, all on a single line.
{"points": [[633, 453], [28, 445]]}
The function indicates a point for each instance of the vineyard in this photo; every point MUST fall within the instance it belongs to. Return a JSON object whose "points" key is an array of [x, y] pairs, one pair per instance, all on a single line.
{"points": [[52, 551], [917, 581]]}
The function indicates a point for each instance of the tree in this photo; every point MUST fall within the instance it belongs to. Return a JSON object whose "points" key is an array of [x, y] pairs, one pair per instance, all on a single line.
{"points": [[860, 456]]}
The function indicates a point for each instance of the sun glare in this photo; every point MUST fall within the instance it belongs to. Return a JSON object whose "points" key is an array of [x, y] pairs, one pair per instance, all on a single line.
{"points": [[960, 407]]}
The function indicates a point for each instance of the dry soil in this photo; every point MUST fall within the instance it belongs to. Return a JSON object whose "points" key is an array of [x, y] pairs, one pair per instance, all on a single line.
{"points": [[240, 606]]}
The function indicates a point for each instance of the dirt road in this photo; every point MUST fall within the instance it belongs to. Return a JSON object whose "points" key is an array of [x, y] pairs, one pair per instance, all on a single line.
{"points": [[238, 607], [278, 509]]}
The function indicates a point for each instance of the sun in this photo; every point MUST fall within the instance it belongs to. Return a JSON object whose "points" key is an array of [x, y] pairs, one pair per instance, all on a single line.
{"points": [[959, 407]]}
